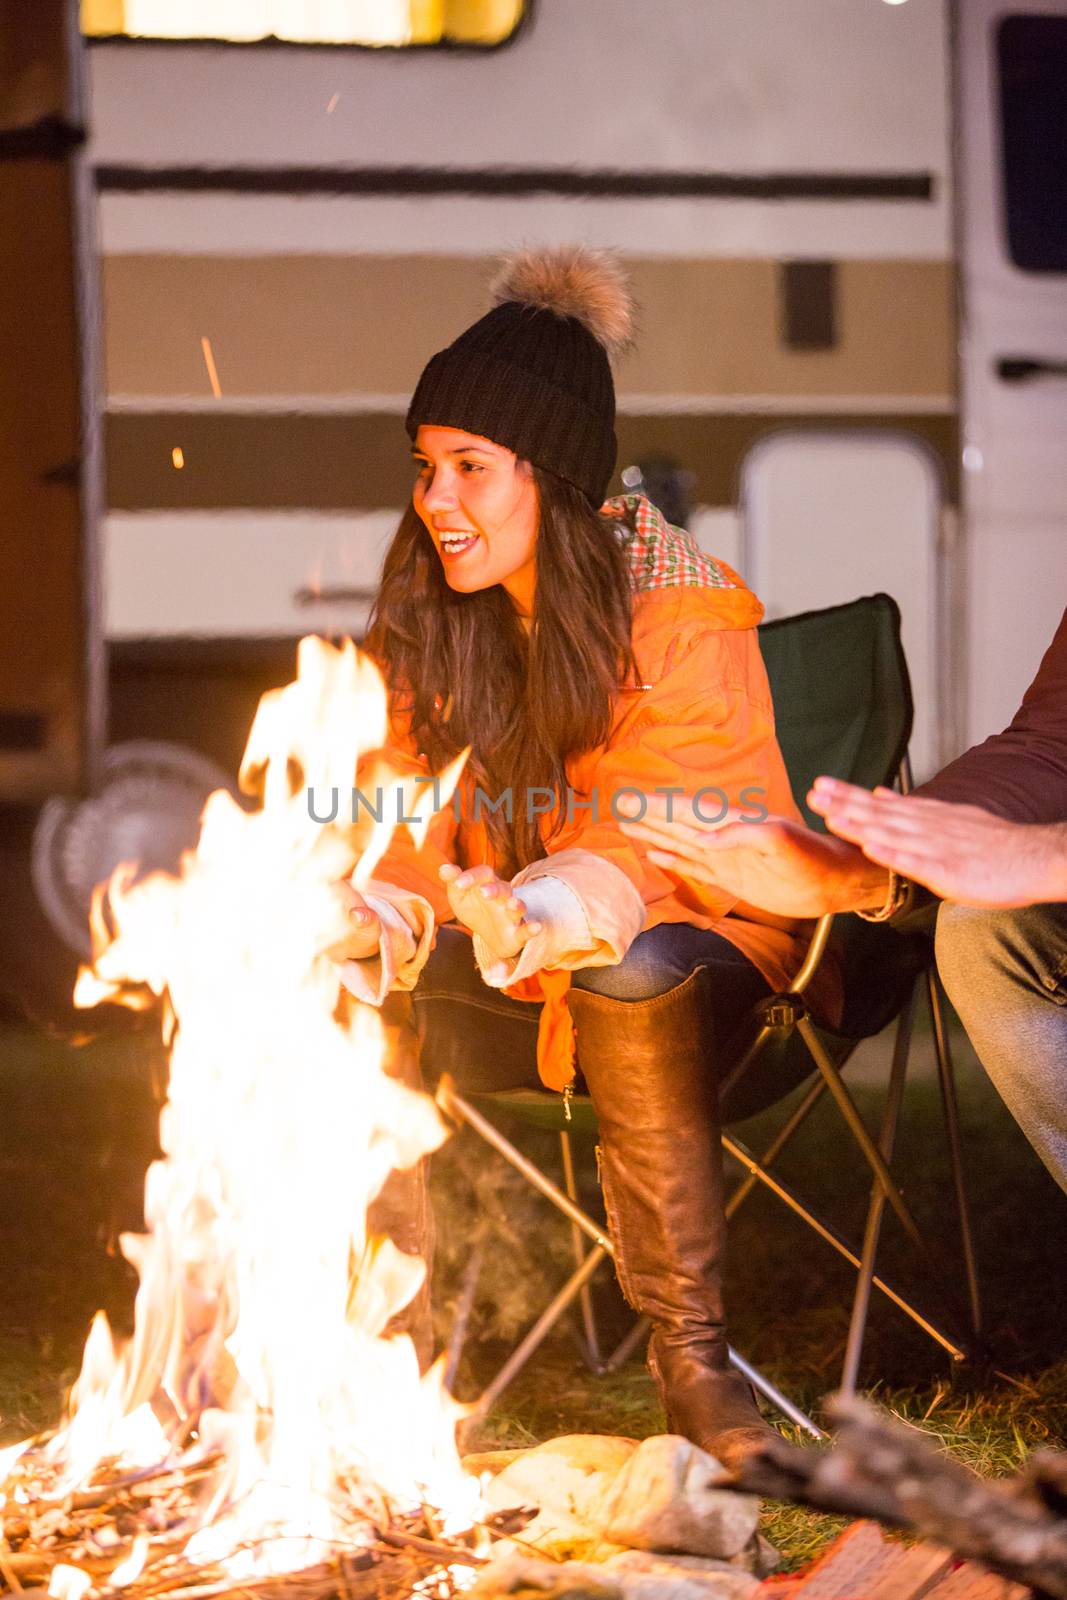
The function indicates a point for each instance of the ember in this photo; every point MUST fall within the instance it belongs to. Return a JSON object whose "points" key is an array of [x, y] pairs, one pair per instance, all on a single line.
{"points": [[258, 1423]]}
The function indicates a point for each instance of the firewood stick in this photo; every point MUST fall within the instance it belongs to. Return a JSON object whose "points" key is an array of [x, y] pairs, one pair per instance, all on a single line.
{"points": [[881, 1468], [9, 1576], [1044, 1476], [449, 1555], [89, 1499]]}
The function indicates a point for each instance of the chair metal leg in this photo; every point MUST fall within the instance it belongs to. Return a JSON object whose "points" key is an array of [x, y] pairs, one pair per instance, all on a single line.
{"points": [[847, 1106], [591, 1342], [950, 1106], [453, 1105], [826, 1231], [628, 1344], [857, 1326], [771, 1392], [777, 1145], [460, 1110], [738, 1070], [464, 1306], [540, 1330]]}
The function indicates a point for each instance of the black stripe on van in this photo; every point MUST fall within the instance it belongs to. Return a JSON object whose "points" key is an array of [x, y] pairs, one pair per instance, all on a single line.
{"points": [[588, 183], [362, 462]]}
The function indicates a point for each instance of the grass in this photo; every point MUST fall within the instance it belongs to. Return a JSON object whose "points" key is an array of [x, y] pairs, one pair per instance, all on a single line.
{"points": [[78, 1127]]}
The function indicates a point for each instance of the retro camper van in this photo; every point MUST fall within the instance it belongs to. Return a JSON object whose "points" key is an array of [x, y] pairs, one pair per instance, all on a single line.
{"points": [[846, 223]]}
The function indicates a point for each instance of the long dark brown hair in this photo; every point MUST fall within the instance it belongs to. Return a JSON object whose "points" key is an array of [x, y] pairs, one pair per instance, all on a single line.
{"points": [[469, 673]]}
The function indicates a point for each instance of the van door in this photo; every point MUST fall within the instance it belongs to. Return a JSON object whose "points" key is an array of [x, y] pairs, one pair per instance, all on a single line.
{"points": [[1011, 164], [827, 516]]}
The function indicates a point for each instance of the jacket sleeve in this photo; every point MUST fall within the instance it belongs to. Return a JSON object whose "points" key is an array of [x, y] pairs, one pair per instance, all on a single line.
{"points": [[405, 892], [1020, 774], [703, 731]]}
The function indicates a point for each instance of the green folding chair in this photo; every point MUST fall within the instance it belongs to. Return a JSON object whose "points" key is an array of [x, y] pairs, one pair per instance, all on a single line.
{"points": [[843, 707]]}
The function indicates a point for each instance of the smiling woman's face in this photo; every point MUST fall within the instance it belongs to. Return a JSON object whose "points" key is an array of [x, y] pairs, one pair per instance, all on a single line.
{"points": [[480, 506]]}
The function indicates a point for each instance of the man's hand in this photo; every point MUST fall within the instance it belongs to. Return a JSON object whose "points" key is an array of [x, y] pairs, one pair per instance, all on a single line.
{"points": [[960, 852], [365, 936], [778, 865], [485, 904]]}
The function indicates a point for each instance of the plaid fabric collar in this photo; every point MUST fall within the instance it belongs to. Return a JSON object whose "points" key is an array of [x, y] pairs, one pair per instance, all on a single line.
{"points": [[660, 555]]}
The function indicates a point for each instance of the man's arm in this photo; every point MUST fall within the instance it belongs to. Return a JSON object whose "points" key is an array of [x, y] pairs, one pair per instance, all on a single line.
{"points": [[1005, 799], [959, 852], [1020, 774]]}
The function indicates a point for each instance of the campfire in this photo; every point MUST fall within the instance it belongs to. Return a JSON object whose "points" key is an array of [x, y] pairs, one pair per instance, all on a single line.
{"points": [[259, 1424], [265, 1430]]}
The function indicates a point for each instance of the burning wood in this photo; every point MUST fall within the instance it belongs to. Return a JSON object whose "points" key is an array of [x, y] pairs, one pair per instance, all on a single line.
{"points": [[133, 1537], [259, 1422]]}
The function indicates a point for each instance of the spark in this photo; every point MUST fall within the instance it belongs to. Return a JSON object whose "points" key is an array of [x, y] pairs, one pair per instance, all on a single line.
{"points": [[177, 456], [333, 104], [212, 370]]}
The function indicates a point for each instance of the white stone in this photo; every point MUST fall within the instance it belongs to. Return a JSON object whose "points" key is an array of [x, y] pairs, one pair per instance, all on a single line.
{"points": [[491, 1461], [515, 1574], [634, 1575], [666, 1499], [647, 1575], [568, 1480]]}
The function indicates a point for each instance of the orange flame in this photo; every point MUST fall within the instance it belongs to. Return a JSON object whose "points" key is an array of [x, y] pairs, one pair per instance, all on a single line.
{"points": [[262, 1306]]}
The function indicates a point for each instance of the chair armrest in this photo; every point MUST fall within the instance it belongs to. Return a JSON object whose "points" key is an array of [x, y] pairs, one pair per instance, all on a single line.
{"points": [[816, 949]]}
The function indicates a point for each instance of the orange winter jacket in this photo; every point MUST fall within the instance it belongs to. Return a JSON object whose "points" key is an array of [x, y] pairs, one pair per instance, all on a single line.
{"points": [[700, 718]]}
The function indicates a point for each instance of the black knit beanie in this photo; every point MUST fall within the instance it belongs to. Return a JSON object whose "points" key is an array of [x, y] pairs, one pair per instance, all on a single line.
{"points": [[534, 373]]}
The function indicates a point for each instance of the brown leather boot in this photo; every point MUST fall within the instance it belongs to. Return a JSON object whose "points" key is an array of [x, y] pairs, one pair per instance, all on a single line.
{"points": [[650, 1068], [401, 1212]]}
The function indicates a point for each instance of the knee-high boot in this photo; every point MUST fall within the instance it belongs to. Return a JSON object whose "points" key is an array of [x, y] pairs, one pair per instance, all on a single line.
{"points": [[401, 1212], [650, 1068]]}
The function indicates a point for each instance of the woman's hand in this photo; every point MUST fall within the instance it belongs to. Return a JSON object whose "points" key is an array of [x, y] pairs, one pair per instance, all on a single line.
{"points": [[364, 938], [777, 864], [485, 904]]}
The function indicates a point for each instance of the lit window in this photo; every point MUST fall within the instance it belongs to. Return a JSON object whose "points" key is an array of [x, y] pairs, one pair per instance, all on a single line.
{"points": [[367, 22]]}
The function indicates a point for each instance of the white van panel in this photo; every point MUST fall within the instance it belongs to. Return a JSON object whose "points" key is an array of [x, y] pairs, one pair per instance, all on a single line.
{"points": [[1014, 435], [240, 573], [828, 517], [253, 225], [763, 85]]}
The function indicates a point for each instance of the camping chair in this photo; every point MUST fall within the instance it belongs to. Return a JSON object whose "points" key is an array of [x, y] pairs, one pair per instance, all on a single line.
{"points": [[843, 707]]}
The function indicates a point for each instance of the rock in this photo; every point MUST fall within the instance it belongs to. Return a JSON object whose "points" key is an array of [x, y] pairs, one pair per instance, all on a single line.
{"points": [[491, 1461], [759, 1556], [523, 1575], [568, 1479], [666, 1499], [647, 1575], [631, 1575]]}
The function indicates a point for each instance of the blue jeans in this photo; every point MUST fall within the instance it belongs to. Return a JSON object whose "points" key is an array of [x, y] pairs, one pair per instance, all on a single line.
{"points": [[487, 1041], [1006, 974]]}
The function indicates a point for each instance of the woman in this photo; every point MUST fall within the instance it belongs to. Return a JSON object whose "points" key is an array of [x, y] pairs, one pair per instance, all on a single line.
{"points": [[578, 649]]}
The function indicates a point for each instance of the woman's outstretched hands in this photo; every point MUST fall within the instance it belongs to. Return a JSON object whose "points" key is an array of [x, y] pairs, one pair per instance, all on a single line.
{"points": [[777, 864], [485, 904], [365, 933]]}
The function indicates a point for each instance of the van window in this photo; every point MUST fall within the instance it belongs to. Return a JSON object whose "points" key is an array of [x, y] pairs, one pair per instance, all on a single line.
{"points": [[1032, 63], [359, 22]]}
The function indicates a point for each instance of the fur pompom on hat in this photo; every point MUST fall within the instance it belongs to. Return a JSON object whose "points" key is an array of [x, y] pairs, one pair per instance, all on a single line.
{"points": [[573, 281], [534, 374]]}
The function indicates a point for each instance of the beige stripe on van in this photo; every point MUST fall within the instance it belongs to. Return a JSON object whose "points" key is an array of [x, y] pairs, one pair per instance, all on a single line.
{"points": [[334, 325]]}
